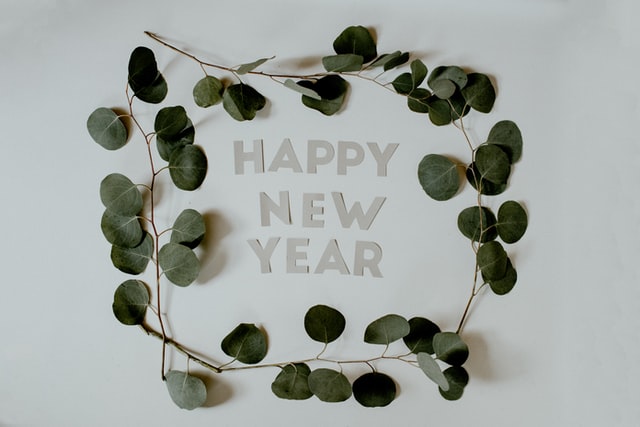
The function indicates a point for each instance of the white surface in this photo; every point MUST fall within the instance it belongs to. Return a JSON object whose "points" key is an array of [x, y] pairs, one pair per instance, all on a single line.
{"points": [[561, 349]]}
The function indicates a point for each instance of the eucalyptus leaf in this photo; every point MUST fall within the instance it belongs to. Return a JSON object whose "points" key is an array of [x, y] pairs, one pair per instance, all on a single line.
{"points": [[332, 90], [121, 196], [450, 348], [432, 370], [403, 84], [439, 177], [289, 83], [248, 67], [507, 136], [246, 343], [439, 112], [133, 260], [170, 122], [186, 391], [386, 329], [342, 63], [153, 94], [448, 72], [188, 167], [493, 164], [492, 260], [143, 68], [478, 224], [443, 88], [130, 302], [487, 188], [188, 228], [324, 324], [374, 390], [390, 60], [512, 221], [418, 72], [208, 91], [167, 146], [505, 284], [356, 40], [242, 101], [420, 337], [458, 378], [479, 92], [121, 230], [179, 264], [418, 100], [329, 385], [107, 128], [292, 382]]}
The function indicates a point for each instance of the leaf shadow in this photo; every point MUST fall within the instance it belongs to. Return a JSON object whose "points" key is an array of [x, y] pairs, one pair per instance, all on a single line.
{"points": [[218, 391], [213, 254], [482, 364]]}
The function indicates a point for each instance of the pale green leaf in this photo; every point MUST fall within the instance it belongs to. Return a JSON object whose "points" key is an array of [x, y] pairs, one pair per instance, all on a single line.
{"points": [[292, 382], [107, 129], [186, 391], [386, 329], [329, 385], [432, 370], [179, 264], [130, 302], [120, 195]]}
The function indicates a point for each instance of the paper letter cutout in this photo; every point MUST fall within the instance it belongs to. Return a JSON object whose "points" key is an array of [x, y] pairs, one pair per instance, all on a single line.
{"points": [[293, 255], [360, 262], [264, 254], [309, 210], [332, 259], [382, 158], [256, 156], [313, 160], [282, 210], [344, 161], [285, 158], [355, 213]]}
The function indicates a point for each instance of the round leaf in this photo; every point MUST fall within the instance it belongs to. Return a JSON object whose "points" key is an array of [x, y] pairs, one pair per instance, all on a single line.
{"points": [[439, 112], [170, 122], [188, 167], [133, 260], [107, 129], [505, 284], [479, 92], [443, 88], [507, 136], [374, 390], [450, 348], [120, 195], [324, 324], [179, 263], [420, 337], [356, 40], [166, 147], [492, 260], [342, 63], [153, 94], [242, 102], [403, 84], [332, 90], [512, 221], [386, 329], [478, 224], [448, 72], [292, 382], [418, 100], [329, 385], [432, 370], [439, 177], [186, 391], [130, 302], [121, 230], [208, 91], [143, 69], [486, 187], [458, 378], [246, 343], [493, 164], [188, 229]]}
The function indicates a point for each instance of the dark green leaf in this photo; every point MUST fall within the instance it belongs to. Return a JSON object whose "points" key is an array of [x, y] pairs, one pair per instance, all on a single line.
{"points": [[329, 385], [143, 69], [246, 343], [153, 94], [450, 348], [342, 63], [505, 284], [443, 88], [492, 260], [120, 195], [493, 164], [479, 92], [133, 260], [170, 121], [324, 324], [458, 105], [186, 391], [386, 329], [390, 60], [507, 136], [356, 40], [439, 177], [179, 264], [439, 112], [458, 378], [107, 129], [302, 90], [121, 230], [208, 91], [242, 101], [418, 72], [188, 167], [167, 146], [420, 337], [188, 229], [478, 224], [403, 84], [512, 221], [418, 100], [130, 302], [332, 90], [486, 187], [450, 72], [245, 68], [432, 370], [292, 382], [374, 390]]}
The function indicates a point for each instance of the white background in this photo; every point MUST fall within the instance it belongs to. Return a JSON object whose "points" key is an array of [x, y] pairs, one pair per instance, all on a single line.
{"points": [[561, 349]]}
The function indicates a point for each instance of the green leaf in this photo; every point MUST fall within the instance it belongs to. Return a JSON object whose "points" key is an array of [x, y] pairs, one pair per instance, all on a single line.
{"points": [[505, 284], [403, 84], [188, 228], [374, 390], [486, 187], [439, 177], [356, 40], [143, 69], [342, 63], [329, 385], [130, 302], [248, 67], [179, 264], [292, 382], [492, 260], [167, 146], [450, 348], [448, 72], [443, 88], [386, 329], [420, 337], [507, 136], [170, 122], [107, 129], [391, 60], [458, 378], [133, 260], [188, 167], [121, 230], [512, 221], [246, 343], [153, 94], [208, 91], [324, 324], [478, 224], [242, 101], [418, 100], [479, 92], [332, 90], [493, 164], [289, 83], [439, 112], [121, 196], [186, 391], [432, 370], [418, 72]]}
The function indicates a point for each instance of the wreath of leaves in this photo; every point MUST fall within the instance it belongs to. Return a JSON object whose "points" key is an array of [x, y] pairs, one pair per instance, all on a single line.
{"points": [[130, 226]]}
